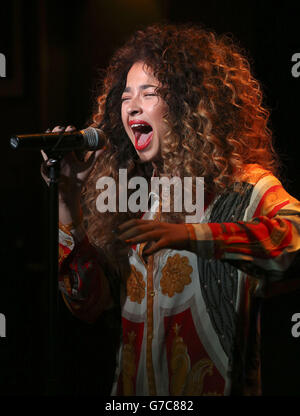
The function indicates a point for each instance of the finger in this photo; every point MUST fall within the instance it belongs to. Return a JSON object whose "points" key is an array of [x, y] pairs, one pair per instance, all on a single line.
{"points": [[45, 157], [136, 231], [155, 248], [70, 128], [43, 170], [127, 224], [58, 129], [142, 238]]}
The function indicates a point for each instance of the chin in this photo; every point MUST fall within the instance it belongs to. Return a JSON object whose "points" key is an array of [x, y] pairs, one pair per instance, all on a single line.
{"points": [[150, 157], [145, 159]]}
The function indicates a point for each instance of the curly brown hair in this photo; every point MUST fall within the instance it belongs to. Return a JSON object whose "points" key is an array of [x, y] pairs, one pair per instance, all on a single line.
{"points": [[216, 120]]}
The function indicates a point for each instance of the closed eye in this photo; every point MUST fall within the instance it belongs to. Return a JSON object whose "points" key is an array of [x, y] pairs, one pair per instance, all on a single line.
{"points": [[125, 99]]}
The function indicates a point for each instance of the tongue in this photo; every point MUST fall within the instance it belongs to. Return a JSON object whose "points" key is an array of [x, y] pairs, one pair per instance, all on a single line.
{"points": [[142, 138]]}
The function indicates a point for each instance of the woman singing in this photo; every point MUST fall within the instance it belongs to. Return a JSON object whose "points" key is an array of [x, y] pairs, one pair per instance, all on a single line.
{"points": [[179, 101]]}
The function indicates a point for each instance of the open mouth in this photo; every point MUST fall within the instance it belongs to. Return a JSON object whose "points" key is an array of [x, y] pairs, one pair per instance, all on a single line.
{"points": [[143, 133]]}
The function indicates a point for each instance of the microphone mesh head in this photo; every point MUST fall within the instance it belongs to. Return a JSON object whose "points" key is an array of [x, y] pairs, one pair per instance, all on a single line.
{"points": [[91, 137]]}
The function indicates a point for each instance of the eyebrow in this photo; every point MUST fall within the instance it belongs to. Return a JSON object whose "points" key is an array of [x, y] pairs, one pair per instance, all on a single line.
{"points": [[142, 87]]}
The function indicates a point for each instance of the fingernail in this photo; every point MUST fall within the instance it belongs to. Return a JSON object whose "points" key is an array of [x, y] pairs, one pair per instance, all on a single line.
{"points": [[50, 162]]}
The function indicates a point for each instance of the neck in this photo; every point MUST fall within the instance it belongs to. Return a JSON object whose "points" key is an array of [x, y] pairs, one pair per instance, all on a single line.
{"points": [[158, 167]]}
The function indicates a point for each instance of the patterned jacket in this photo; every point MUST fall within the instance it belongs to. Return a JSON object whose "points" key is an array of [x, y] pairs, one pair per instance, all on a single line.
{"points": [[190, 319]]}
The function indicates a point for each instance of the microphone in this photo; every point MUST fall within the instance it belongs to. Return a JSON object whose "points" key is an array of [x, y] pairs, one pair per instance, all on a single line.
{"points": [[87, 139]]}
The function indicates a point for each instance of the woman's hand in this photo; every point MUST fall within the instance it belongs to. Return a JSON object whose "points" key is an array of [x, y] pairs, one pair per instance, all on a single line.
{"points": [[73, 171], [161, 234]]}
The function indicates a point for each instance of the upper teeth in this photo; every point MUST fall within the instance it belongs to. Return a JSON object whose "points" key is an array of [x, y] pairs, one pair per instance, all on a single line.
{"points": [[138, 125]]}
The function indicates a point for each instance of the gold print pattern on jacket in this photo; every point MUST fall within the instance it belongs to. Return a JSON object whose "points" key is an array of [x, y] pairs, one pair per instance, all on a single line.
{"points": [[175, 275], [184, 380], [135, 285], [195, 382], [128, 365], [180, 363]]}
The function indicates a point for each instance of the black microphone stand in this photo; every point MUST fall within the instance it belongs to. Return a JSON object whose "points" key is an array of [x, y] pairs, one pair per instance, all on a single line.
{"points": [[87, 138], [52, 384]]}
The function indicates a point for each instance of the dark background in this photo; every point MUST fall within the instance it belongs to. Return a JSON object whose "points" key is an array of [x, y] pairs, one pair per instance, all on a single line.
{"points": [[54, 52]]}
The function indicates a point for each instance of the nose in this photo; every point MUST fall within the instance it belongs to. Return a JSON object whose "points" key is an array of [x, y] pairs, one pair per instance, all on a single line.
{"points": [[134, 107]]}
